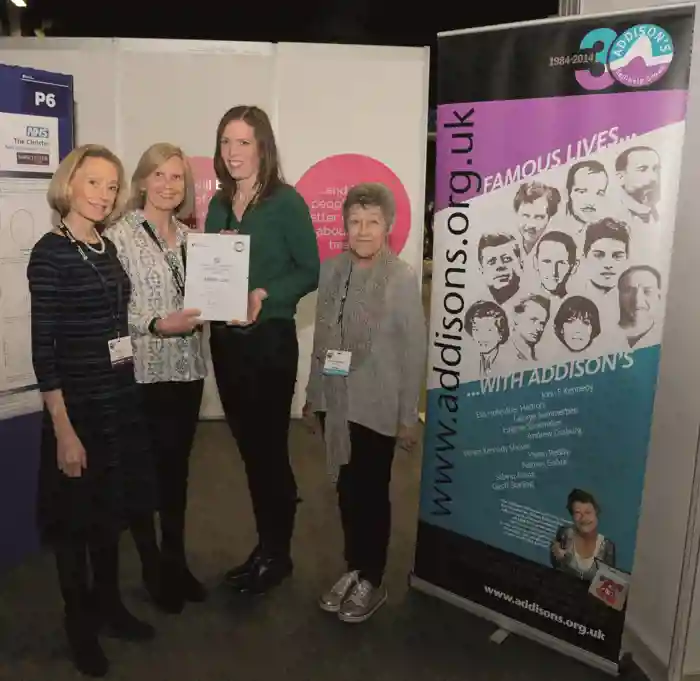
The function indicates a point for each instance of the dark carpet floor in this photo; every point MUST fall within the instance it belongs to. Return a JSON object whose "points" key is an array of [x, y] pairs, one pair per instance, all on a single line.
{"points": [[282, 636]]}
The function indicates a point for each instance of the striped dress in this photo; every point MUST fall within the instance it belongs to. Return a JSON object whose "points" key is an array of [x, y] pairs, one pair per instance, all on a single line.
{"points": [[74, 315]]}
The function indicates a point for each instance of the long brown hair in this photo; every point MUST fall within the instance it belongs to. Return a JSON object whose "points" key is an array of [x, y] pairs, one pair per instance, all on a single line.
{"points": [[269, 173]]}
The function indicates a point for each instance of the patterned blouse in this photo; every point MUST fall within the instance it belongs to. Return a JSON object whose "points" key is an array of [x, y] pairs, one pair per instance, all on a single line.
{"points": [[155, 294]]}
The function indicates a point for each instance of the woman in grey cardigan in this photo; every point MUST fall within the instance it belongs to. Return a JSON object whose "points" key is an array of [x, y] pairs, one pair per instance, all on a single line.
{"points": [[366, 375]]}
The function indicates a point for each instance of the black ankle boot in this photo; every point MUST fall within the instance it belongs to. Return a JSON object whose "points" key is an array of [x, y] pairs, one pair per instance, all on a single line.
{"points": [[119, 623], [111, 612], [79, 618], [86, 652]]}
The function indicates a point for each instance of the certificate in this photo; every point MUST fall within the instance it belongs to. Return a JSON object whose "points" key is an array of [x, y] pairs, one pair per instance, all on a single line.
{"points": [[217, 276]]}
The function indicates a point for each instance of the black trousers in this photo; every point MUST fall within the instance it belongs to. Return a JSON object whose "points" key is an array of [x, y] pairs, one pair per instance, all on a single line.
{"points": [[256, 373], [364, 501], [172, 412]]}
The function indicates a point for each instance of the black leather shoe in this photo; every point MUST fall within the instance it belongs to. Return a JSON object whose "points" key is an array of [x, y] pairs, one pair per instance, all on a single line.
{"points": [[267, 573], [239, 575]]}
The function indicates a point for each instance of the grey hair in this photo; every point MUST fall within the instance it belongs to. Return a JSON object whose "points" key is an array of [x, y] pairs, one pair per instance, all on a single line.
{"points": [[371, 194]]}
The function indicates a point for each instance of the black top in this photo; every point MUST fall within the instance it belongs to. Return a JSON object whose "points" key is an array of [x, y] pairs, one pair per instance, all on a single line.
{"points": [[75, 312]]}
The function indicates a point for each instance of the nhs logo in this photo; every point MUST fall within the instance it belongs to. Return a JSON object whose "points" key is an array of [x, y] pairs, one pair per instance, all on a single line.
{"points": [[35, 132]]}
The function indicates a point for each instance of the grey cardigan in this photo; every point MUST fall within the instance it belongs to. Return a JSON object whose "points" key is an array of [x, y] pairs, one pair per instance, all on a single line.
{"points": [[605, 554], [382, 391]]}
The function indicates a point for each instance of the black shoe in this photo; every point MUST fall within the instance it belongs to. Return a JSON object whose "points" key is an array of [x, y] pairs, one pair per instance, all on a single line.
{"points": [[239, 575], [87, 654], [120, 623], [267, 573], [192, 589]]}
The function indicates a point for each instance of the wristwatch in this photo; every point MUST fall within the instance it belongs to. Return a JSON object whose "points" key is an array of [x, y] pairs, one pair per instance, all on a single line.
{"points": [[152, 326]]}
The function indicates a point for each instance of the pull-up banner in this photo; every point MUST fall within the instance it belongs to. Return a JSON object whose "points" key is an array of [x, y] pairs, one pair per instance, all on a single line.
{"points": [[558, 158]]}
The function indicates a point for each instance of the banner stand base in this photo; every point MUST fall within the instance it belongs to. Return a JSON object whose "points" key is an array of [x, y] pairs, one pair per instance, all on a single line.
{"points": [[515, 627]]}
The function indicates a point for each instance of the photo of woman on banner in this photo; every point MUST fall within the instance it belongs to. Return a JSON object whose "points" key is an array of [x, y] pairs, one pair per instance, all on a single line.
{"points": [[606, 253], [487, 324], [578, 549], [577, 324]]}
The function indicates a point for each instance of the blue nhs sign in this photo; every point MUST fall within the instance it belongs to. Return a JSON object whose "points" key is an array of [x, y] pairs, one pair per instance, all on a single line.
{"points": [[37, 133]]}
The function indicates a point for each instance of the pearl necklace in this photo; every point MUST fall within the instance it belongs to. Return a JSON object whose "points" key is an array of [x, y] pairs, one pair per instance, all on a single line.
{"points": [[101, 248]]}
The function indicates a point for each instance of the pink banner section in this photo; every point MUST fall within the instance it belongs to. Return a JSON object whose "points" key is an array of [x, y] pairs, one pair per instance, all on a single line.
{"points": [[474, 156]]}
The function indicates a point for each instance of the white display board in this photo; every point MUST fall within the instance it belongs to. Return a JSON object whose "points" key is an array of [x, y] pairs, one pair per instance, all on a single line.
{"points": [[325, 101], [334, 100]]}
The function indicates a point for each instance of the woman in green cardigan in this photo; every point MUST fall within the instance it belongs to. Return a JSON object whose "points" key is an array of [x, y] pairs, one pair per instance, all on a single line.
{"points": [[255, 361]]}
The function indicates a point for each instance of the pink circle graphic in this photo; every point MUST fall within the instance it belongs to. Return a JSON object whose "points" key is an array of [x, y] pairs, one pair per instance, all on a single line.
{"points": [[205, 186], [324, 187]]}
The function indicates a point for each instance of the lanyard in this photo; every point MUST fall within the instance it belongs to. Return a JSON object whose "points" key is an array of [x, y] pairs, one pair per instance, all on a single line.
{"points": [[105, 286], [169, 258], [341, 313]]}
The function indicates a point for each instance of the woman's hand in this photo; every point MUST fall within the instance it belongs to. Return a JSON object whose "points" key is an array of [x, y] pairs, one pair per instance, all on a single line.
{"points": [[70, 453], [308, 418], [407, 437], [182, 321], [255, 301], [558, 551]]}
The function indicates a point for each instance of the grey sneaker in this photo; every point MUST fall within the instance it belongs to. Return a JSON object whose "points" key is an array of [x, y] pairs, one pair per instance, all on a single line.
{"points": [[364, 600], [332, 599]]}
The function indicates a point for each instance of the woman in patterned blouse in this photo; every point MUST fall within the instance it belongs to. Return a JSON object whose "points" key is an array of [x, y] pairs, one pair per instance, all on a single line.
{"points": [[168, 360]]}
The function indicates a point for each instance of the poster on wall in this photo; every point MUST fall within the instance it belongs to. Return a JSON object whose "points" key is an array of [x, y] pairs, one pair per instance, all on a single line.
{"points": [[35, 132], [325, 187], [556, 186]]}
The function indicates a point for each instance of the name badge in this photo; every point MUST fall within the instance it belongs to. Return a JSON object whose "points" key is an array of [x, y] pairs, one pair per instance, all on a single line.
{"points": [[337, 363], [120, 351]]}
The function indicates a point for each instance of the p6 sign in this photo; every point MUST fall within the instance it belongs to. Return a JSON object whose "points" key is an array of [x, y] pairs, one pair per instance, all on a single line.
{"points": [[43, 99]]}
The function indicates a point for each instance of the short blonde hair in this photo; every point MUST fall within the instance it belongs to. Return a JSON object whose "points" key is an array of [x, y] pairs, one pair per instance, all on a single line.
{"points": [[59, 194], [151, 159]]}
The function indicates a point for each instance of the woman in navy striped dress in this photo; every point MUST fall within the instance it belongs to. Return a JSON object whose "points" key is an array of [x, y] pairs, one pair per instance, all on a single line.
{"points": [[95, 470]]}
